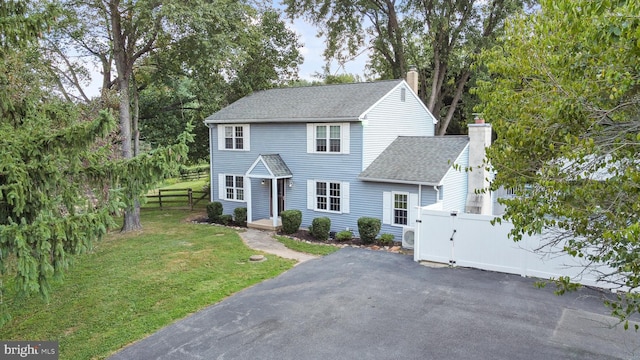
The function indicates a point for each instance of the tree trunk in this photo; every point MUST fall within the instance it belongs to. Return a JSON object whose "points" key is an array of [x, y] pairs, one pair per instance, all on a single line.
{"points": [[434, 83], [132, 214], [125, 69], [132, 219], [136, 117], [442, 126]]}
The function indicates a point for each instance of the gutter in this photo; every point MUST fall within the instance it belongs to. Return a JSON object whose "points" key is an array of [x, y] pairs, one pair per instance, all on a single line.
{"points": [[408, 182], [282, 120]]}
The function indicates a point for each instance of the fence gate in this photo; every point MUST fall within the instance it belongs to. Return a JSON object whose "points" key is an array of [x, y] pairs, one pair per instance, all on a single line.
{"points": [[469, 240]]}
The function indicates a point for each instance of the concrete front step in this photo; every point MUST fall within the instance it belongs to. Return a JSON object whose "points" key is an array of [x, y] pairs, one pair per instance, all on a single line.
{"points": [[264, 224]]}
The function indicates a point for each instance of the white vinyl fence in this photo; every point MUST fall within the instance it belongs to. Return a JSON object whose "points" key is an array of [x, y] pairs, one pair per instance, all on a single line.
{"points": [[470, 240]]}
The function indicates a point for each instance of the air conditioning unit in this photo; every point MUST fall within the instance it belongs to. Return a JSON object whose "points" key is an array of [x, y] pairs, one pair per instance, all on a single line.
{"points": [[408, 236]]}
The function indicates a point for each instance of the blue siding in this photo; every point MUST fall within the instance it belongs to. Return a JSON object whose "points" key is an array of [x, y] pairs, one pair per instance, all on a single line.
{"points": [[367, 200], [260, 170], [289, 140]]}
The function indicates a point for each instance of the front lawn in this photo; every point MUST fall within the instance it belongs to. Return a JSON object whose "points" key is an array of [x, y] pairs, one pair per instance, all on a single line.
{"points": [[301, 246], [133, 284]]}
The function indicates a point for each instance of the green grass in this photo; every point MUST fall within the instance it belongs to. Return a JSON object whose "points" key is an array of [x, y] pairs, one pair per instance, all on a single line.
{"points": [[178, 202], [133, 284], [301, 246], [194, 184]]}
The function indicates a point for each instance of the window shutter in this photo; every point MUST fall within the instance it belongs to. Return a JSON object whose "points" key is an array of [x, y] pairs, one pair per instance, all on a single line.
{"points": [[311, 138], [246, 188], [220, 137], [221, 188], [246, 132], [311, 194], [346, 138], [386, 207], [344, 201], [413, 212]]}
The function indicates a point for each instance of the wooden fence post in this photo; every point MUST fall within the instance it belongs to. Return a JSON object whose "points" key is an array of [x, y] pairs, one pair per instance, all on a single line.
{"points": [[190, 196], [160, 198]]}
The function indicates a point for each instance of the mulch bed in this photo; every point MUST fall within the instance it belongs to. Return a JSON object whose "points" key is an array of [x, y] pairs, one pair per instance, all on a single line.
{"points": [[304, 235]]}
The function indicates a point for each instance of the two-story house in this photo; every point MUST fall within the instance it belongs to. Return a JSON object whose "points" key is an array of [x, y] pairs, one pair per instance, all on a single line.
{"points": [[341, 151]]}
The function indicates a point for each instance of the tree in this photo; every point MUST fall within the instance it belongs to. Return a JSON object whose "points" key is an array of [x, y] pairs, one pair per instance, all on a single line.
{"points": [[120, 35], [54, 167], [564, 100], [180, 84], [440, 37]]}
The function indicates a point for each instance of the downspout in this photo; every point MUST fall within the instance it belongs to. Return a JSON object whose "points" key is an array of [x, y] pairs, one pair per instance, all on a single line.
{"points": [[435, 187], [210, 126]]}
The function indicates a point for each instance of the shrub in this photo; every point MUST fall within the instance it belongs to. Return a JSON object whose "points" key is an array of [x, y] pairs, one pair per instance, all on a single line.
{"points": [[225, 219], [214, 210], [240, 216], [291, 220], [320, 228], [368, 228], [344, 235], [387, 239]]}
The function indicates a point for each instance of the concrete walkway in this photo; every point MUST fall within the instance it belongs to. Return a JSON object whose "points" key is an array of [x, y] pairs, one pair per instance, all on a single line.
{"points": [[264, 241]]}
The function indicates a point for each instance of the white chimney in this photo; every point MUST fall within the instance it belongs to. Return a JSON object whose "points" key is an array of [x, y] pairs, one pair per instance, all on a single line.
{"points": [[478, 177], [412, 78]]}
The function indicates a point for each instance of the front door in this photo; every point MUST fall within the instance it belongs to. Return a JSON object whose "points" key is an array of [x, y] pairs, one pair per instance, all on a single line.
{"points": [[281, 186]]}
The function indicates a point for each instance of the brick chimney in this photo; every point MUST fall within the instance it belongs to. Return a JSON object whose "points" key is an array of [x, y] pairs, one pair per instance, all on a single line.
{"points": [[412, 78], [478, 177]]}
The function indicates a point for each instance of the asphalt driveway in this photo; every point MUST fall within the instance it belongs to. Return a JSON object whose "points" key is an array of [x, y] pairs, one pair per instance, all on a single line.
{"points": [[362, 304]]}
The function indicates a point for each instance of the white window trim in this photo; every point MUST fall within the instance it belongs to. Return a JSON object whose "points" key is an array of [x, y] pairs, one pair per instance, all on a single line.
{"points": [[245, 136], [222, 187], [393, 207], [312, 204], [388, 198], [345, 138]]}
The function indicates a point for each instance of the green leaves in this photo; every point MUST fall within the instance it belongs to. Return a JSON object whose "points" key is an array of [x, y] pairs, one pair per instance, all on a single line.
{"points": [[563, 97]]}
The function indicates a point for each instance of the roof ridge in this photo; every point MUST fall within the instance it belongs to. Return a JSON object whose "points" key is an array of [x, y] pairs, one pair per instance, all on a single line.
{"points": [[326, 85]]}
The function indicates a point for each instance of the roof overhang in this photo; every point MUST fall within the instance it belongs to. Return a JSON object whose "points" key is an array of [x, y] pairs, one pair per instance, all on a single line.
{"points": [[270, 166], [394, 181], [209, 121]]}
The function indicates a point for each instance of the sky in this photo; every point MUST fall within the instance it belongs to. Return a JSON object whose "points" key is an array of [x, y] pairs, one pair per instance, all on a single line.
{"points": [[312, 51]]}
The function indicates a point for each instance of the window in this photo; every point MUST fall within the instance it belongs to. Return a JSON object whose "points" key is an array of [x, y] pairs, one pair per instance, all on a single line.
{"points": [[400, 209], [403, 94], [231, 187], [328, 138], [233, 137], [328, 134], [330, 196]]}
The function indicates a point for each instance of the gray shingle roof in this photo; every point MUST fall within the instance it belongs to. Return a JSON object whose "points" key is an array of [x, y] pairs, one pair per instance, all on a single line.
{"points": [[277, 166], [328, 102], [416, 159]]}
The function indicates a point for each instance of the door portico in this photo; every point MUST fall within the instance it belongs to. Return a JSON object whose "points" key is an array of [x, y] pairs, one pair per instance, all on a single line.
{"points": [[270, 173]]}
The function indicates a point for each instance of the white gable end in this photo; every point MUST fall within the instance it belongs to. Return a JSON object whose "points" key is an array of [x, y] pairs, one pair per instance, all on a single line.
{"points": [[392, 116]]}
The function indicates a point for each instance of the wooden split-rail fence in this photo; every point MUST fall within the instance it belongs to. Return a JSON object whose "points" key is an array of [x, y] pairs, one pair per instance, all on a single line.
{"points": [[185, 198]]}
